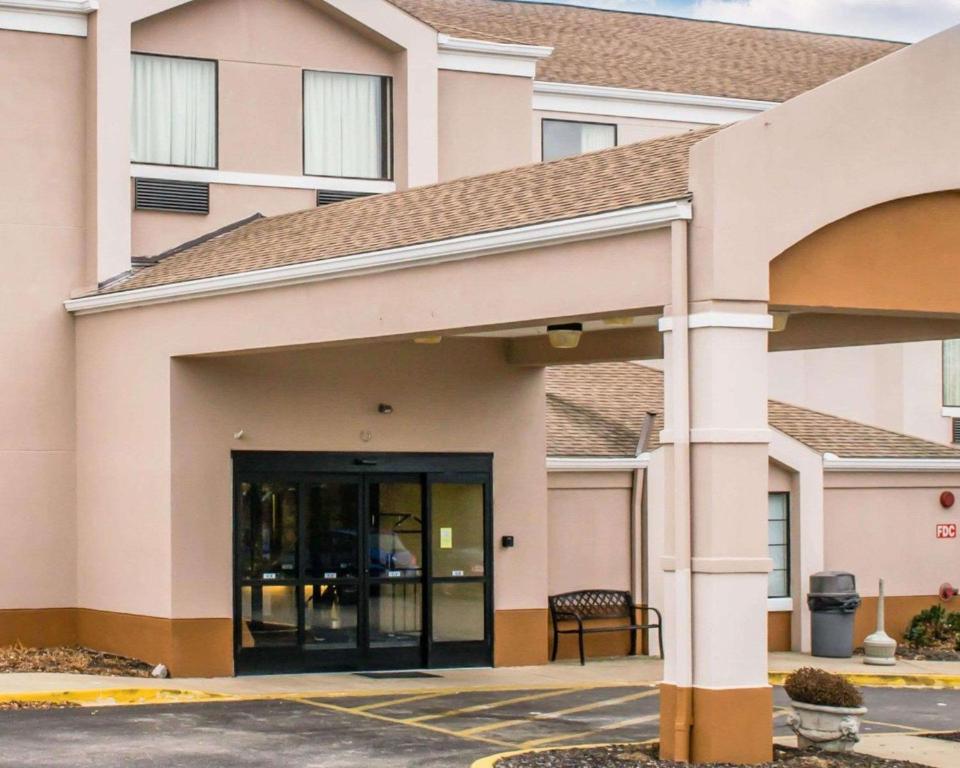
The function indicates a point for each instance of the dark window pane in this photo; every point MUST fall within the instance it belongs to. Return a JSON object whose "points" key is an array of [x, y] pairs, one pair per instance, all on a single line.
{"points": [[268, 530], [269, 616], [457, 538], [331, 615], [395, 611], [458, 612], [396, 529], [331, 530]]}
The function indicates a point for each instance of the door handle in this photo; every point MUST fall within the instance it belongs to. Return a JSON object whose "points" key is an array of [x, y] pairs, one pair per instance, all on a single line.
{"points": [[365, 462]]}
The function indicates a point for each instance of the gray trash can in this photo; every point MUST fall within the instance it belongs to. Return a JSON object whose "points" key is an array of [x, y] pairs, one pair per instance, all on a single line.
{"points": [[832, 600]]}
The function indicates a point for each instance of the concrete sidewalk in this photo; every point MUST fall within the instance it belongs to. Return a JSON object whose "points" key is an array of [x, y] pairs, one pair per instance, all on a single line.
{"points": [[620, 671]]}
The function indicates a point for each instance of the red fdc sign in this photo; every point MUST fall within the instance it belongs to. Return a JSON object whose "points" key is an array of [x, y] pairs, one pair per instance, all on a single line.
{"points": [[946, 530]]}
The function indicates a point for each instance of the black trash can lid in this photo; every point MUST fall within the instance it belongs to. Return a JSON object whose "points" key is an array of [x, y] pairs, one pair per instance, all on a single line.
{"points": [[833, 583]]}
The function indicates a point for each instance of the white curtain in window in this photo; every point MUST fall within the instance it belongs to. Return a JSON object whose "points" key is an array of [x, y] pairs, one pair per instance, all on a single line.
{"points": [[951, 372], [343, 125], [174, 111], [594, 136]]}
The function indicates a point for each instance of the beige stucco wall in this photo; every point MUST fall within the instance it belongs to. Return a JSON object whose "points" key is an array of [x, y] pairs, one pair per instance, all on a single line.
{"points": [[261, 54], [484, 123], [895, 386], [41, 259], [892, 517], [588, 530]]}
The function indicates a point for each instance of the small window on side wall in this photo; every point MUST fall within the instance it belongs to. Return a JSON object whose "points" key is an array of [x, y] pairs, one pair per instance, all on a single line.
{"points": [[346, 125], [566, 138], [174, 111], [951, 373], [778, 542]]}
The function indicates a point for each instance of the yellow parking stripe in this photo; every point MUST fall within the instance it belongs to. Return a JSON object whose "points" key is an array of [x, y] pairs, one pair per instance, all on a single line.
{"points": [[608, 727], [561, 713], [393, 702], [895, 725], [395, 721], [491, 705]]}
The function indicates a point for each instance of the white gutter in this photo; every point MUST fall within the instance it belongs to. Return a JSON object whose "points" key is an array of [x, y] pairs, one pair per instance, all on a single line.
{"points": [[468, 55], [454, 249], [609, 101], [834, 463], [596, 464]]}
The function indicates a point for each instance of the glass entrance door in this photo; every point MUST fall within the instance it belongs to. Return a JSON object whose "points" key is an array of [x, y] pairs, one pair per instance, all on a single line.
{"points": [[360, 568]]}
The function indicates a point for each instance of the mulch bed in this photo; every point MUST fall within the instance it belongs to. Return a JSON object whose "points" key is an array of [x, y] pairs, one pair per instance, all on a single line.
{"points": [[75, 660], [944, 652], [37, 705], [636, 756], [953, 736]]}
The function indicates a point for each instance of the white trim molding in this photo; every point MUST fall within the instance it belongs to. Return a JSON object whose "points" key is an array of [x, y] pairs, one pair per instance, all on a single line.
{"points": [[606, 101], [761, 322], [779, 604], [834, 463], [53, 17], [596, 463], [465, 55], [635, 219], [238, 178], [950, 410]]}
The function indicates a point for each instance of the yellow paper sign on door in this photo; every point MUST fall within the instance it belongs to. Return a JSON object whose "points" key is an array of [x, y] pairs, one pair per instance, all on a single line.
{"points": [[446, 538]]}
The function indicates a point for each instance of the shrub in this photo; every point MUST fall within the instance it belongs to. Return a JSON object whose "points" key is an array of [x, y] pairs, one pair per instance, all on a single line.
{"points": [[817, 686], [933, 626]]}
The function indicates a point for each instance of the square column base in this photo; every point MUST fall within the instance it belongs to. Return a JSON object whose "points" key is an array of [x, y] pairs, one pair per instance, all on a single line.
{"points": [[730, 725]]}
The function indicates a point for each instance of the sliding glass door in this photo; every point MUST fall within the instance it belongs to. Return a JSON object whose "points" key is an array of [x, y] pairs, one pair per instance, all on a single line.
{"points": [[362, 562]]}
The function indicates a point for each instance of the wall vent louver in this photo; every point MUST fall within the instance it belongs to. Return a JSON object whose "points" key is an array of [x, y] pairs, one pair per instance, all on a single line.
{"points": [[328, 196], [173, 196], [955, 423]]}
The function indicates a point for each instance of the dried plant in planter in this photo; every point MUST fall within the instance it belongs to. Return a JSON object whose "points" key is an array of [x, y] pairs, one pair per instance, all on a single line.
{"points": [[817, 686]]}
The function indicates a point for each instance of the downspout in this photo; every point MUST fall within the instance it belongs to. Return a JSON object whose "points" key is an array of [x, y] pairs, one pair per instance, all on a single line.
{"points": [[639, 551], [682, 512]]}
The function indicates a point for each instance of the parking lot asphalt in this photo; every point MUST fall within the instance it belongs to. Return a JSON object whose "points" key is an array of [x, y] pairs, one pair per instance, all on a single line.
{"points": [[423, 729]]}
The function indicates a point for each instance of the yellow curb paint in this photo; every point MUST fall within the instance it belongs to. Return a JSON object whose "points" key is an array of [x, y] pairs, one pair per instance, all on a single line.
{"points": [[490, 761], [886, 681], [116, 696]]}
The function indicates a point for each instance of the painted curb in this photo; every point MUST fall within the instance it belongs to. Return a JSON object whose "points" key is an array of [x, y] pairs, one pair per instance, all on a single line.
{"points": [[490, 760], [116, 696], [886, 681]]}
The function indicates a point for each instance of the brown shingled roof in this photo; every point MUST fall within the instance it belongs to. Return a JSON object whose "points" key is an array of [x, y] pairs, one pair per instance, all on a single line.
{"points": [[657, 53], [611, 179], [598, 410]]}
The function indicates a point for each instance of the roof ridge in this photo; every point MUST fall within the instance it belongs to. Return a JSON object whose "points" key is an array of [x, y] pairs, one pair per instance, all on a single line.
{"points": [[577, 6]]}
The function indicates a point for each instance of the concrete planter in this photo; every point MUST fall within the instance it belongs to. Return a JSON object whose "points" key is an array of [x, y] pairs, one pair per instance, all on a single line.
{"points": [[832, 729]]}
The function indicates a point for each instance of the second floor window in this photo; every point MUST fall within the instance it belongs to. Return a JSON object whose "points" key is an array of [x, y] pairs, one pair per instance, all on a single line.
{"points": [[565, 138], [346, 125], [951, 373], [778, 530], [174, 111]]}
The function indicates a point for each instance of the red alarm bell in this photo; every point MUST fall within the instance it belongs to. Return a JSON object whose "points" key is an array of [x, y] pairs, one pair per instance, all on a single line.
{"points": [[948, 592], [947, 499]]}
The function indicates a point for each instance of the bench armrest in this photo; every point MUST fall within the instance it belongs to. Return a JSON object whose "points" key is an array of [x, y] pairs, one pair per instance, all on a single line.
{"points": [[654, 610], [568, 616]]}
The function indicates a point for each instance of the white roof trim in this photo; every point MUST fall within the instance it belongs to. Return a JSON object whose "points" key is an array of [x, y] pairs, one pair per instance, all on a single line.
{"points": [[606, 101], [54, 17], [596, 463], [834, 463], [465, 55], [246, 179], [469, 246]]}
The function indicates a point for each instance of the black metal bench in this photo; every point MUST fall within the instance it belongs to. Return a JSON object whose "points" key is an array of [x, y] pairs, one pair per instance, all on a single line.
{"points": [[588, 604]]}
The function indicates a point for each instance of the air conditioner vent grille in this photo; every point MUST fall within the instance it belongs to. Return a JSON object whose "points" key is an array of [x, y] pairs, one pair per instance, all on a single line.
{"points": [[328, 196], [173, 196]]}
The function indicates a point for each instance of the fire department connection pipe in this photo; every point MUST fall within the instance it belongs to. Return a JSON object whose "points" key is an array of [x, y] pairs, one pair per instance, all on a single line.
{"points": [[682, 515]]}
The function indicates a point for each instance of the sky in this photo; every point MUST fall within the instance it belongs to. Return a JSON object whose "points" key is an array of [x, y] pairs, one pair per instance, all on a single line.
{"points": [[907, 20]]}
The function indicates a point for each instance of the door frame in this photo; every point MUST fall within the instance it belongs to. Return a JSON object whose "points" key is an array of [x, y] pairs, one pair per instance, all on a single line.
{"points": [[474, 468]]}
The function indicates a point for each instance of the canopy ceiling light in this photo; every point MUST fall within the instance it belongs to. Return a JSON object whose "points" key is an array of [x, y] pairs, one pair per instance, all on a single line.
{"points": [[618, 320], [428, 339], [565, 335], [779, 321]]}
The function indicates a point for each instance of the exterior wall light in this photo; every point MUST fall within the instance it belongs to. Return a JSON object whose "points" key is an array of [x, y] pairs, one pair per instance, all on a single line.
{"points": [[385, 408], [565, 335], [618, 321], [428, 339], [779, 321]]}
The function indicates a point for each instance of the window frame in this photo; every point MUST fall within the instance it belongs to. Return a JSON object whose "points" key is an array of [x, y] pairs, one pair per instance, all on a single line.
{"points": [[943, 377], [789, 560], [216, 111], [386, 138], [545, 120]]}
